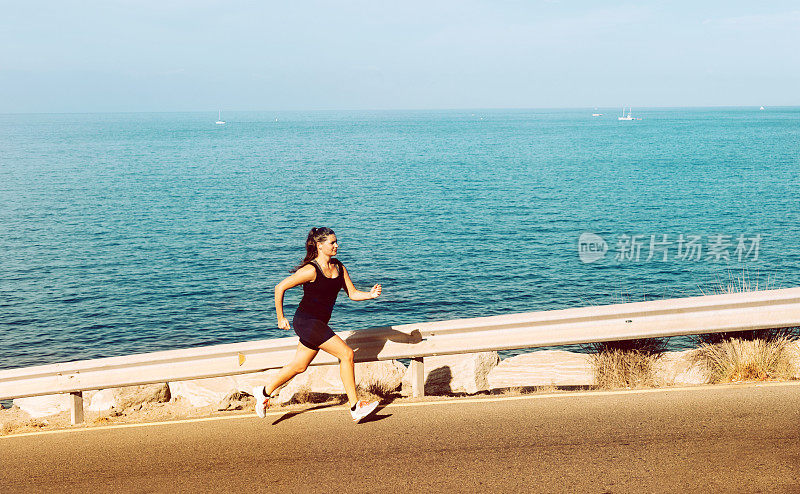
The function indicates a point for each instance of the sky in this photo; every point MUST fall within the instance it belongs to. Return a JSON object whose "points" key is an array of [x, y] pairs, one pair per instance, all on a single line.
{"points": [[201, 55]]}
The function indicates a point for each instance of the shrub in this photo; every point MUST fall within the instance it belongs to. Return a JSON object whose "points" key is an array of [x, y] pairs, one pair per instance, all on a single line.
{"points": [[740, 284], [767, 334], [627, 363], [378, 389], [756, 359]]}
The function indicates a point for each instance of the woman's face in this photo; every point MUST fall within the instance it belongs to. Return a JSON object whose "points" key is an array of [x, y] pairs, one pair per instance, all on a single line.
{"points": [[329, 246]]}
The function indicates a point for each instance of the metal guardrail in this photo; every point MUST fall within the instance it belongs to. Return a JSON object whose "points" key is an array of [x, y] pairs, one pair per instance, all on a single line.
{"points": [[659, 318]]}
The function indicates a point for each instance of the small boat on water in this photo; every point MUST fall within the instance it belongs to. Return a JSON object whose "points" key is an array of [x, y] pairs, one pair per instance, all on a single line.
{"points": [[761, 108], [597, 114], [219, 118], [628, 116]]}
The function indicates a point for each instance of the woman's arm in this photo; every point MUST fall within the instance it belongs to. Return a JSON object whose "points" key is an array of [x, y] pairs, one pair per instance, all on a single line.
{"points": [[305, 274], [357, 294]]}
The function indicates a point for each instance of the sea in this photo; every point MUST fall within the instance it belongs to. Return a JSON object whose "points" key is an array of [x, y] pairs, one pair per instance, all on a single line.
{"points": [[125, 233]]}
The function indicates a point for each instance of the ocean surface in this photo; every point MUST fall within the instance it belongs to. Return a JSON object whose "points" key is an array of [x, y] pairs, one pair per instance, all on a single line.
{"points": [[130, 233]]}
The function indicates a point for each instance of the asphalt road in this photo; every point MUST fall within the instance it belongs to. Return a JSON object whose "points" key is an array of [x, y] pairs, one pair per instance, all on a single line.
{"points": [[742, 438]]}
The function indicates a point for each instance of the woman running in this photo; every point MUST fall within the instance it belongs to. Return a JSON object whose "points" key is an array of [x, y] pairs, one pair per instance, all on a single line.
{"points": [[322, 276]]}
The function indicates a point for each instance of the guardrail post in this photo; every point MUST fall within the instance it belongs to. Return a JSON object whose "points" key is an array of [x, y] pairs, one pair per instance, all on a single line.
{"points": [[76, 408], [417, 377]]}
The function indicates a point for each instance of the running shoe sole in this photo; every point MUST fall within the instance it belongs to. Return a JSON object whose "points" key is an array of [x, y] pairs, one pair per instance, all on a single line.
{"points": [[262, 401], [363, 412]]}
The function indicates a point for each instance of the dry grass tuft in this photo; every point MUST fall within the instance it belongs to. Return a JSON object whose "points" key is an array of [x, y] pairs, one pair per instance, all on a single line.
{"points": [[378, 389], [525, 390], [545, 389], [626, 364], [304, 394], [624, 369], [742, 284], [16, 427], [738, 284], [753, 355], [737, 360], [372, 393], [767, 334]]}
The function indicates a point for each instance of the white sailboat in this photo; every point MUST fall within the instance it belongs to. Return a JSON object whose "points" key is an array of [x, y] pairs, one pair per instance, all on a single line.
{"points": [[628, 116], [219, 118]]}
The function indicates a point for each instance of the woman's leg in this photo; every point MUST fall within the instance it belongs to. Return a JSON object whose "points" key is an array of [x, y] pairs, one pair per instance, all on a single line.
{"points": [[339, 349], [301, 359]]}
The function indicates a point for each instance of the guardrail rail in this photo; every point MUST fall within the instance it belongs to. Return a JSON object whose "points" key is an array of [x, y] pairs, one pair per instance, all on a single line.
{"points": [[653, 319]]}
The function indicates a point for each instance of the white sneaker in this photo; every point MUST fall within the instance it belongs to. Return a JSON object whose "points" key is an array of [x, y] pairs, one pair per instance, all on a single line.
{"points": [[262, 401], [363, 409]]}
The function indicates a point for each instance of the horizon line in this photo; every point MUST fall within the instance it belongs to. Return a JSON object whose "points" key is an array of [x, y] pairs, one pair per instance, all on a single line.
{"points": [[353, 110]]}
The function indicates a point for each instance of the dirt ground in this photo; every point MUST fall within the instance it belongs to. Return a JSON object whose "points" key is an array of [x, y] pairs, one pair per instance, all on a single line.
{"points": [[14, 421]]}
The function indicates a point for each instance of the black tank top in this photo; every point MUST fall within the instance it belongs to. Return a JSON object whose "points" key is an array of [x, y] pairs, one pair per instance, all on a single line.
{"points": [[320, 295]]}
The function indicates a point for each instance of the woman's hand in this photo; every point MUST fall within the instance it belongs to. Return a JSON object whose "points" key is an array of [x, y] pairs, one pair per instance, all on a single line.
{"points": [[376, 291], [302, 275]]}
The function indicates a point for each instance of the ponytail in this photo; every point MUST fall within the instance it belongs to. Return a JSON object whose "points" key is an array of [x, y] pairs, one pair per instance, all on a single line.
{"points": [[314, 235]]}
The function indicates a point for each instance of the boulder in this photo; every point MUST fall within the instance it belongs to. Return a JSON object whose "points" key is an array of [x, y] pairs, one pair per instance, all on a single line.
{"points": [[128, 396], [453, 374], [679, 368], [380, 377], [99, 401], [214, 390], [543, 368], [237, 400], [203, 392], [42, 406]]}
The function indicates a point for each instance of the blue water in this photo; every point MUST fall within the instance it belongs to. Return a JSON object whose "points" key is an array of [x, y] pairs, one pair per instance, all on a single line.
{"points": [[128, 233]]}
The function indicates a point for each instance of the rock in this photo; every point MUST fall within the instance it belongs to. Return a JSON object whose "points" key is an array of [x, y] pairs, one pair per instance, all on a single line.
{"points": [[214, 390], [42, 406], [543, 368], [235, 401], [137, 395], [95, 401], [323, 379], [204, 392], [100, 400], [128, 396], [679, 368], [448, 374], [561, 368], [379, 377]]}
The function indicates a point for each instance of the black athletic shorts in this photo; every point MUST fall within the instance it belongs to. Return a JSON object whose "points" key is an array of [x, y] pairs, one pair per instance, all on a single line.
{"points": [[312, 332]]}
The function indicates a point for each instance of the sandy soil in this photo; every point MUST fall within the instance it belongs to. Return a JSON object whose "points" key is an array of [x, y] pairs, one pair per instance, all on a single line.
{"points": [[15, 421]]}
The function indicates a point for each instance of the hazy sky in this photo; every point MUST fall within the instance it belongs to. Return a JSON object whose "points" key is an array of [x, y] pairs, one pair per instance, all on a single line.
{"points": [[88, 56]]}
